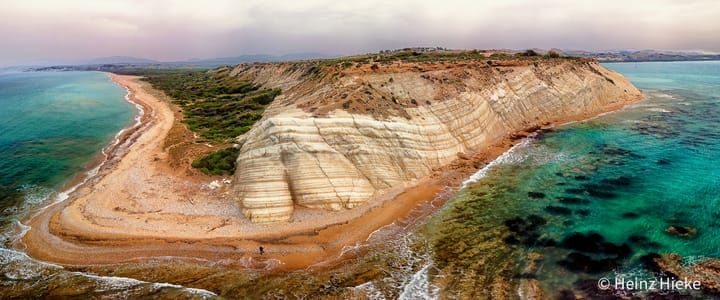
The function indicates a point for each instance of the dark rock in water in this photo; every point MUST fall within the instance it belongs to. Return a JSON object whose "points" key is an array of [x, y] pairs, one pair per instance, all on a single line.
{"points": [[516, 224], [681, 231], [560, 184], [620, 181], [558, 210], [630, 215], [559, 174], [581, 242], [536, 195], [579, 262], [566, 295], [524, 231], [519, 225], [599, 191], [582, 178], [649, 262], [616, 151], [623, 251], [536, 221], [573, 200], [621, 152], [662, 162], [594, 243], [583, 212]]}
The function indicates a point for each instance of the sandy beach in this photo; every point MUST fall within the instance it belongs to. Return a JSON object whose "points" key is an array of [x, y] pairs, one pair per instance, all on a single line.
{"points": [[146, 205]]}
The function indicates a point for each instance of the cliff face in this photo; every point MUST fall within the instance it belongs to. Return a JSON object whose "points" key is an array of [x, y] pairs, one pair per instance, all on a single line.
{"points": [[337, 136]]}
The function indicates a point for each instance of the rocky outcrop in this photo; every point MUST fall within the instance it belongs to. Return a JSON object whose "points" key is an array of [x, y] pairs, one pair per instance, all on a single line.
{"points": [[337, 136], [706, 271]]}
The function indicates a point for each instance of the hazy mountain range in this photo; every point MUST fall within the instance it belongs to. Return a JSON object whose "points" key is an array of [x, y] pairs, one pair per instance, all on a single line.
{"points": [[128, 62], [622, 55]]}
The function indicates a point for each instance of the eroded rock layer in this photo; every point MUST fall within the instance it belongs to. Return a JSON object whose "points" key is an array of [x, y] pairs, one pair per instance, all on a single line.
{"points": [[337, 136]]}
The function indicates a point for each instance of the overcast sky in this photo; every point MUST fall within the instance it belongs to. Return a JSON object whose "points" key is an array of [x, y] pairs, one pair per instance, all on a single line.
{"points": [[63, 30]]}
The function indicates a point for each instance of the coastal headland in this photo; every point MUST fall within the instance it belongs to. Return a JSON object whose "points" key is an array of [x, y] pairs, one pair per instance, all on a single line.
{"points": [[144, 204]]}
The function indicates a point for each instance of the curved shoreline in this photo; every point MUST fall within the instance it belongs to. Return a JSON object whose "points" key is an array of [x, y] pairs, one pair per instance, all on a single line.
{"points": [[138, 208], [107, 156]]}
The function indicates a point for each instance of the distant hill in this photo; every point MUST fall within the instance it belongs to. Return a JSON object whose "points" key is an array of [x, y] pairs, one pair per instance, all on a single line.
{"points": [[129, 62], [11, 69], [116, 63], [231, 61], [116, 60], [622, 55]]}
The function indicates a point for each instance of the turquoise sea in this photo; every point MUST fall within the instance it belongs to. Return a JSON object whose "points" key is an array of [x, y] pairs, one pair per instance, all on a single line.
{"points": [[585, 201], [595, 199], [51, 125]]}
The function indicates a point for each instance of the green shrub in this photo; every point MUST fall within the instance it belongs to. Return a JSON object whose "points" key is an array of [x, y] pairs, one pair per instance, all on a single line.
{"points": [[221, 162], [552, 54], [530, 52], [216, 105], [346, 64]]}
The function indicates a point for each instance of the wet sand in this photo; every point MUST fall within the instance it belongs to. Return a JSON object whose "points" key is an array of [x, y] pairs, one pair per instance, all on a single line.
{"points": [[139, 207]]}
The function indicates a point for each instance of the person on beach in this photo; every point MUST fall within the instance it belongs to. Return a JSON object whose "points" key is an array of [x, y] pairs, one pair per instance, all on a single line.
{"points": [[262, 251]]}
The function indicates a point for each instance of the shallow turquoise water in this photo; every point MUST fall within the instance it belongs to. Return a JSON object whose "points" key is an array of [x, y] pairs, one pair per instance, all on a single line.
{"points": [[620, 181], [52, 125]]}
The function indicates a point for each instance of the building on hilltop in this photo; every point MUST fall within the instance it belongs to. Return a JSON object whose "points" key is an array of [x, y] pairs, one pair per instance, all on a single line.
{"points": [[415, 49]]}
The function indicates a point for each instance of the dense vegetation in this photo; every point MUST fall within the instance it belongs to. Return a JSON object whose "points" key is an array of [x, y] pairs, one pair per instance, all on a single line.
{"points": [[216, 105], [432, 57], [220, 162]]}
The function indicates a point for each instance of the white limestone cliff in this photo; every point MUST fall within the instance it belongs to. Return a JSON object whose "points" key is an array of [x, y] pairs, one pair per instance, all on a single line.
{"points": [[331, 142]]}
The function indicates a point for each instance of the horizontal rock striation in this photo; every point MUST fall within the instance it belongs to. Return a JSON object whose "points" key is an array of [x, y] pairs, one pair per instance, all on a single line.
{"points": [[337, 136]]}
